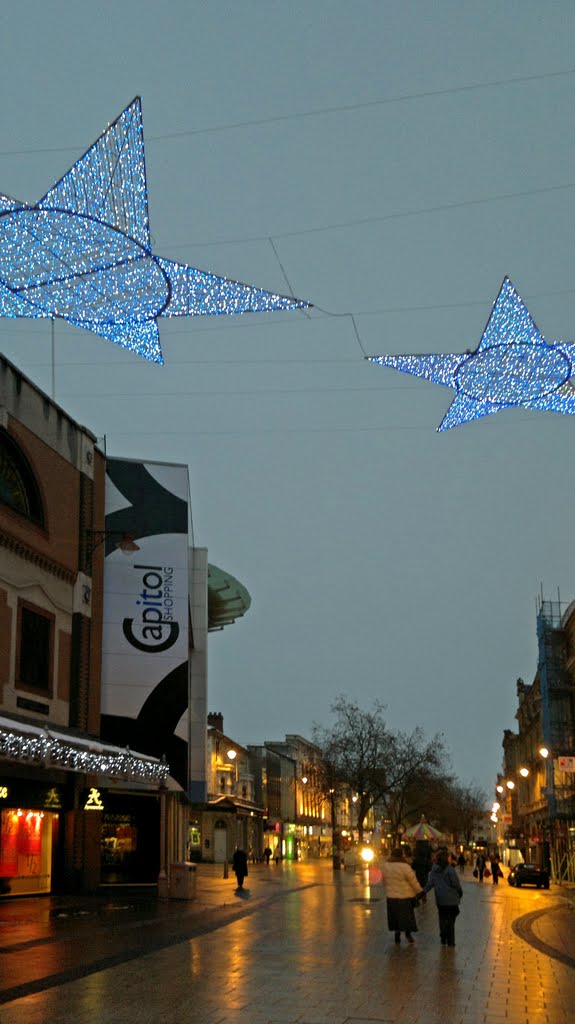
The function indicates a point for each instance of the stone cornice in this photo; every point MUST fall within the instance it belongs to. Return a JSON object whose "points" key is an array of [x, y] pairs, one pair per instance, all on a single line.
{"points": [[29, 553]]}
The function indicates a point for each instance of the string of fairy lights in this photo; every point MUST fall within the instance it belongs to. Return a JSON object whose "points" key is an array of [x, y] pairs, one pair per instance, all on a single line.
{"points": [[51, 751]]}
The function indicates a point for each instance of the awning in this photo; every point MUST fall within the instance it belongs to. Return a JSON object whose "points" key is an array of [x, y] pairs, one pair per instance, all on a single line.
{"points": [[228, 599], [53, 747]]}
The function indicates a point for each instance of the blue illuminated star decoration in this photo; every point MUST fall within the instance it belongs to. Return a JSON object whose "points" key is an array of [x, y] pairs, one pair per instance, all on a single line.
{"points": [[83, 253], [513, 365]]}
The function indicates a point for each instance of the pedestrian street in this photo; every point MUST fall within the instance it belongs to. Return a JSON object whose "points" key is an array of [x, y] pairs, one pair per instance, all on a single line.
{"points": [[308, 945]]}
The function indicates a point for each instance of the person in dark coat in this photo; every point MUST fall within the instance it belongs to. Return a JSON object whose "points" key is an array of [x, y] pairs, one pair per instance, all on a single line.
{"points": [[240, 866], [448, 892], [496, 872], [480, 865], [422, 861]]}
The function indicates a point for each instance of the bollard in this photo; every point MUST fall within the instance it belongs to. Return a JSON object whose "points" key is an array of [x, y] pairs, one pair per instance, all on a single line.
{"points": [[225, 869]]}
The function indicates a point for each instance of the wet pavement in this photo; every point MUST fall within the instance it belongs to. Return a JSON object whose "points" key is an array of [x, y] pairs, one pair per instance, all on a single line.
{"points": [[300, 944]]}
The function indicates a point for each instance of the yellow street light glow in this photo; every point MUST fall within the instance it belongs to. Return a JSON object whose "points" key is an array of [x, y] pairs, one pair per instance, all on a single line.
{"points": [[510, 784], [304, 779], [367, 854], [232, 754], [495, 807], [544, 751], [499, 789], [524, 772], [494, 817]]}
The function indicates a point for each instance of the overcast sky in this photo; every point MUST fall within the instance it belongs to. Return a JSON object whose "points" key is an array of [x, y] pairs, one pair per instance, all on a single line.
{"points": [[392, 160]]}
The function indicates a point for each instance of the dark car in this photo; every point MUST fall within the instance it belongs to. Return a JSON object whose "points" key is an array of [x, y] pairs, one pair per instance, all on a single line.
{"points": [[528, 874]]}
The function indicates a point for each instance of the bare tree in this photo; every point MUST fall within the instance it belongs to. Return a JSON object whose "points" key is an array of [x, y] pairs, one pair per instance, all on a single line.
{"points": [[371, 760], [464, 804]]}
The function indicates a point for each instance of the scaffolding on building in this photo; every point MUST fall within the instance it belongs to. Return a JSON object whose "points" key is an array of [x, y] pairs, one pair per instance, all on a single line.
{"points": [[557, 736]]}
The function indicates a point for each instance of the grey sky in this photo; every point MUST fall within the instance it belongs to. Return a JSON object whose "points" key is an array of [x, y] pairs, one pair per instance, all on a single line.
{"points": [[384, 560]]}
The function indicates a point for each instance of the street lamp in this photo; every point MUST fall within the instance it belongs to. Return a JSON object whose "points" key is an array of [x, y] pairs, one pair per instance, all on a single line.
{"points": [[126, 543], [544, 751]]}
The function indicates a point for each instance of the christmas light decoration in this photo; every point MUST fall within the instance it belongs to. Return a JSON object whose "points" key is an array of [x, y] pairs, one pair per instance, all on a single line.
{"points": [[48, 750], [512, 366], [83, 253]]}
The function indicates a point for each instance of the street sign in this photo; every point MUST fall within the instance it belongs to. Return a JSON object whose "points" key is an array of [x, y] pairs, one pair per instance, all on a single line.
{"points": [[566, 764]]}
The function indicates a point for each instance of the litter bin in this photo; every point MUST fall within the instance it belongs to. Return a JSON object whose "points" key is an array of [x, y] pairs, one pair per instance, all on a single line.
{"points": [[183, 881]]}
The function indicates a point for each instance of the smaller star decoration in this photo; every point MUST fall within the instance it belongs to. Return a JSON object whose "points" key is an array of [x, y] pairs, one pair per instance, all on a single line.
{"points": [[513, 365]]}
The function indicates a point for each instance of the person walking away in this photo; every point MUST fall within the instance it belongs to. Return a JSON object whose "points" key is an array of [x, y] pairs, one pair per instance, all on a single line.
{"points": [[461, 863], [448, 892], [496, 872], [422, 861], [240, 866], [401, 890], [267, 854], [480, 865]]}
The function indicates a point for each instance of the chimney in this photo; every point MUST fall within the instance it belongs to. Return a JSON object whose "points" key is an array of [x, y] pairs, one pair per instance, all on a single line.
{"points": [[216, 720]]}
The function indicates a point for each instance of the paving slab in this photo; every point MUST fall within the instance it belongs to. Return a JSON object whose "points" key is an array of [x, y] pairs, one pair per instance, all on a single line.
{"points": [[302, 945]]}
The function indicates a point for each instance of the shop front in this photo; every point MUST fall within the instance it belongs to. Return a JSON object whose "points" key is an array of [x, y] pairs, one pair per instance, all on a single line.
{"points": [[30, 835], [130, 838]]}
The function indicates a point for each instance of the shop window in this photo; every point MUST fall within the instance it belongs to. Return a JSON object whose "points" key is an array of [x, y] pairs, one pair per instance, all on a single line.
{"points": [[18, 487], [35, 648]]}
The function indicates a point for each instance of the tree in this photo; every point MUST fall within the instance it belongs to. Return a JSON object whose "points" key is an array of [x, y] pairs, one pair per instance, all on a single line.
{"points": [[368, 758], [464, 804]]}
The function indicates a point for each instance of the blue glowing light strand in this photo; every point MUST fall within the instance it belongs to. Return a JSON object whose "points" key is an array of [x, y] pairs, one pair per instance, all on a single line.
{"points": [[440, 369], [463, 409], [509, 320], [199, 293], [8, 204], [83, 253], [108, 183], [562, 400], [513, 365]]}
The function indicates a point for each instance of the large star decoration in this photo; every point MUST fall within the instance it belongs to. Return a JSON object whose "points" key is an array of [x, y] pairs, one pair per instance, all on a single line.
{"points": [[83, 253], [512, 366]]}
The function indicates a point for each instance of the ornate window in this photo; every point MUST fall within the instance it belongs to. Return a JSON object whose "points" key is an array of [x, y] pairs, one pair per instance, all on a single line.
{"points": [[18, 488]]}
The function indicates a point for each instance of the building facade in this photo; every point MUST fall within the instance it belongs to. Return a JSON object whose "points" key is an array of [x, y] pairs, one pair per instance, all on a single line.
{"points": [[52, 762], [537, 787]]}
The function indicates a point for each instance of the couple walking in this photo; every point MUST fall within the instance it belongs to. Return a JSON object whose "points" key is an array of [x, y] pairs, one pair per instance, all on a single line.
{"points": [[403, 893]]}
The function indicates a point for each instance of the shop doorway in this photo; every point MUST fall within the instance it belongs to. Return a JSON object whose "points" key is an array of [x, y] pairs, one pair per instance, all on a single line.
{"points": [[220, 842]]}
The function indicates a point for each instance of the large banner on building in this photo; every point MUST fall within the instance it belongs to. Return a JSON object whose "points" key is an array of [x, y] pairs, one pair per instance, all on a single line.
{"points": [[145, 633]]}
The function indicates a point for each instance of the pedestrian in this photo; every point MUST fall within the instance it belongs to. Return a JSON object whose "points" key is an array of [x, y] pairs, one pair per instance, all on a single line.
{"points": [[240, 866], [496, 872], [448, 892], [402, 890], [267, 854], [480, 865], [422, 861], [461, 863]]}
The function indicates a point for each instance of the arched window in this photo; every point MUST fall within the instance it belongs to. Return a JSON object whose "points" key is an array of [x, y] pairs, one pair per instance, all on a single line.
{"points": [[18, 487]]}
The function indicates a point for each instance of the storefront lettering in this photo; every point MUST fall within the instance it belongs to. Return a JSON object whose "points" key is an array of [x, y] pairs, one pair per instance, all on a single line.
{"points": [[94, 801]]}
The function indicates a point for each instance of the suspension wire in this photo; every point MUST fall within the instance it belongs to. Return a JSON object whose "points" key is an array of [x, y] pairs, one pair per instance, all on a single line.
{"points": [[283, 270]]}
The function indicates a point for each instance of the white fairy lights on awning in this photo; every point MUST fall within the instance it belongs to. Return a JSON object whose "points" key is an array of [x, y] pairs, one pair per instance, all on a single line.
{"points": [[20, 742]]}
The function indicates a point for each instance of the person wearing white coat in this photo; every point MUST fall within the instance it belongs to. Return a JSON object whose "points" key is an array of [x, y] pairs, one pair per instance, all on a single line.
{"points": [[401, 890]]}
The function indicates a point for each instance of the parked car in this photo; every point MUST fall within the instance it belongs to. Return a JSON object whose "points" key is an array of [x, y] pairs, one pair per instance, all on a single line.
{"points": [[528, 874]]}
